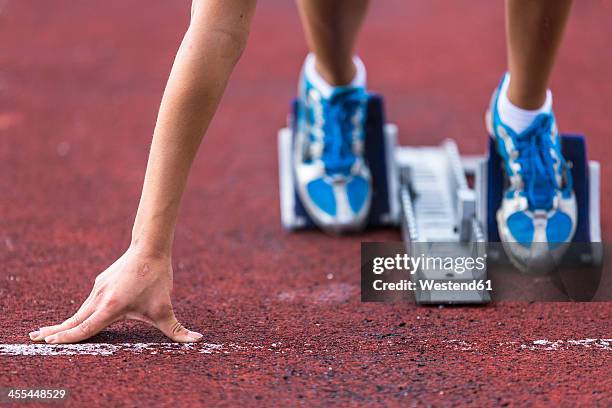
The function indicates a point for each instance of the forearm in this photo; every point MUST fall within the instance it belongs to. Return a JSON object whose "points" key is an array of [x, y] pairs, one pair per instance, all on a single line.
{"points": [[210, 49]]}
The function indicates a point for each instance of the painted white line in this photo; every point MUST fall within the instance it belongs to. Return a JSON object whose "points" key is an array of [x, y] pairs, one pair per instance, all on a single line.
{"points": [[460, 345], [106, 349], [537, 345], [604, 344]]}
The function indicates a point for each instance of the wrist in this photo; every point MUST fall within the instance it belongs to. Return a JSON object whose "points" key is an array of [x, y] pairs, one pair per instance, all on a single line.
{"points": [[151, 236], [151, 247]]}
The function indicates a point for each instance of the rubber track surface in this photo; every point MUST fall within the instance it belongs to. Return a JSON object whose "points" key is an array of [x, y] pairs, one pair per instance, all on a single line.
{"points": [[80, 84]]}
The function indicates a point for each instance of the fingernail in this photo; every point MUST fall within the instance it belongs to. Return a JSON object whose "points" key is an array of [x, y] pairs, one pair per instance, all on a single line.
{"points": [[50, 339], [34, 335], [195, 336]]}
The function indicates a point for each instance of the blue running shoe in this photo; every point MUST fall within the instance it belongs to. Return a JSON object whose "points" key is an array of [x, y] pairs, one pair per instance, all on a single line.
{"points": [[537, 216], [333, 180]]}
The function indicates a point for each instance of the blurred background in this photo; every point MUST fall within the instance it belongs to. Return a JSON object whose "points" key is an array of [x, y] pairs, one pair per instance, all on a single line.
{"points": [[80, 84]]}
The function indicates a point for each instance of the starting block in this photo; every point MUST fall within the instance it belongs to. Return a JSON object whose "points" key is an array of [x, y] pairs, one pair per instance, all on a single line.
{"points": [[439, 219], [489, 180], [424, 190], [380, 144]]}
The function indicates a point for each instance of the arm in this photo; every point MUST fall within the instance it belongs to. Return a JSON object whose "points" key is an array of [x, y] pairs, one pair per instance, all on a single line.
{"points": [[139, 284]]}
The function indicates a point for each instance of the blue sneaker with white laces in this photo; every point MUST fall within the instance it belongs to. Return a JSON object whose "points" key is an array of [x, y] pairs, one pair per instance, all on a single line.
{"points": [[537, 216], [332, 177]]}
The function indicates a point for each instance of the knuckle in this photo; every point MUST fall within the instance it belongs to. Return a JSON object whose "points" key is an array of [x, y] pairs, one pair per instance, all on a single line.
{"points": [[98, 280], [177, 328], [44, 331], [98, 294], [75, 319], [85, 328], [111, 302]]}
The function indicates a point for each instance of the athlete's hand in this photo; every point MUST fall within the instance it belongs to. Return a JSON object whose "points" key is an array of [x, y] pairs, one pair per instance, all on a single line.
{"points": [[134, 287]]}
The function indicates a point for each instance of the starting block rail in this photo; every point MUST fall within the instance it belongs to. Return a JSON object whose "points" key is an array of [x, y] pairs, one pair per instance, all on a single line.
{"points": [[438, 219]]}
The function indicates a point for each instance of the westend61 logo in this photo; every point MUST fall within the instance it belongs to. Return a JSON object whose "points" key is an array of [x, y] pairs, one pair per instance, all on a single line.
{"points": [[452, 272], [455, 266], [389, 273], [411, 264]]}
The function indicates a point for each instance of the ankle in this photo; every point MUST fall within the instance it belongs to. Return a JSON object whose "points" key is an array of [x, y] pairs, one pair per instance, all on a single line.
{"points": [[517, 116], [337, 75], [525, 95], [526, 101], [325, 80]]}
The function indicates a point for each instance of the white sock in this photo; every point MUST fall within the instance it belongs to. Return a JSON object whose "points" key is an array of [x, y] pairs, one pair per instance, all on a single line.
{"points": [[322, 85], [517, 118]]}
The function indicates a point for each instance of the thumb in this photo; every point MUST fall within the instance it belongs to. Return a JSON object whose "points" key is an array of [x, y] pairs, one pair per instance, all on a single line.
{"points": [[172, 328]]}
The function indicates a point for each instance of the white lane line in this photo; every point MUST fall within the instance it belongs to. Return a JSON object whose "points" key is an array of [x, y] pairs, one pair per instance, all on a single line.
{"points": [[604, 344], [106, 349], [538, 345], [460, 345]]}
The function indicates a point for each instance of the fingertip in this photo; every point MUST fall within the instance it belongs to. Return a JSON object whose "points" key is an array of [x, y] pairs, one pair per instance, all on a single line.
{"points": [[194, 335], [51, 339], [187, 337], [34, 335]]}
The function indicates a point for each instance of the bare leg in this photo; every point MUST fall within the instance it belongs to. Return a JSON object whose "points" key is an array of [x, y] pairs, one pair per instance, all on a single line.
{"points": [[331, 28], [139, 284], [534, 32], [538, 207]]}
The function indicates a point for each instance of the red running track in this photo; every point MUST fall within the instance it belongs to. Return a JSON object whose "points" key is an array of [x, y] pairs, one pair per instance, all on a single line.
{"points": [[80, 84]]}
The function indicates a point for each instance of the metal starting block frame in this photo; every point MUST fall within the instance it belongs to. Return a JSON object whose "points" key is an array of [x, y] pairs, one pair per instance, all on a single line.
{"points": [[425, 191], [439, 219]]}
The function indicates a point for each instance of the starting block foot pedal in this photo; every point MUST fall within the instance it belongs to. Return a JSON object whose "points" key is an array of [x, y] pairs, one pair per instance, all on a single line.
{"points": [[579, 271], [380, 143], [489, 180]]}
